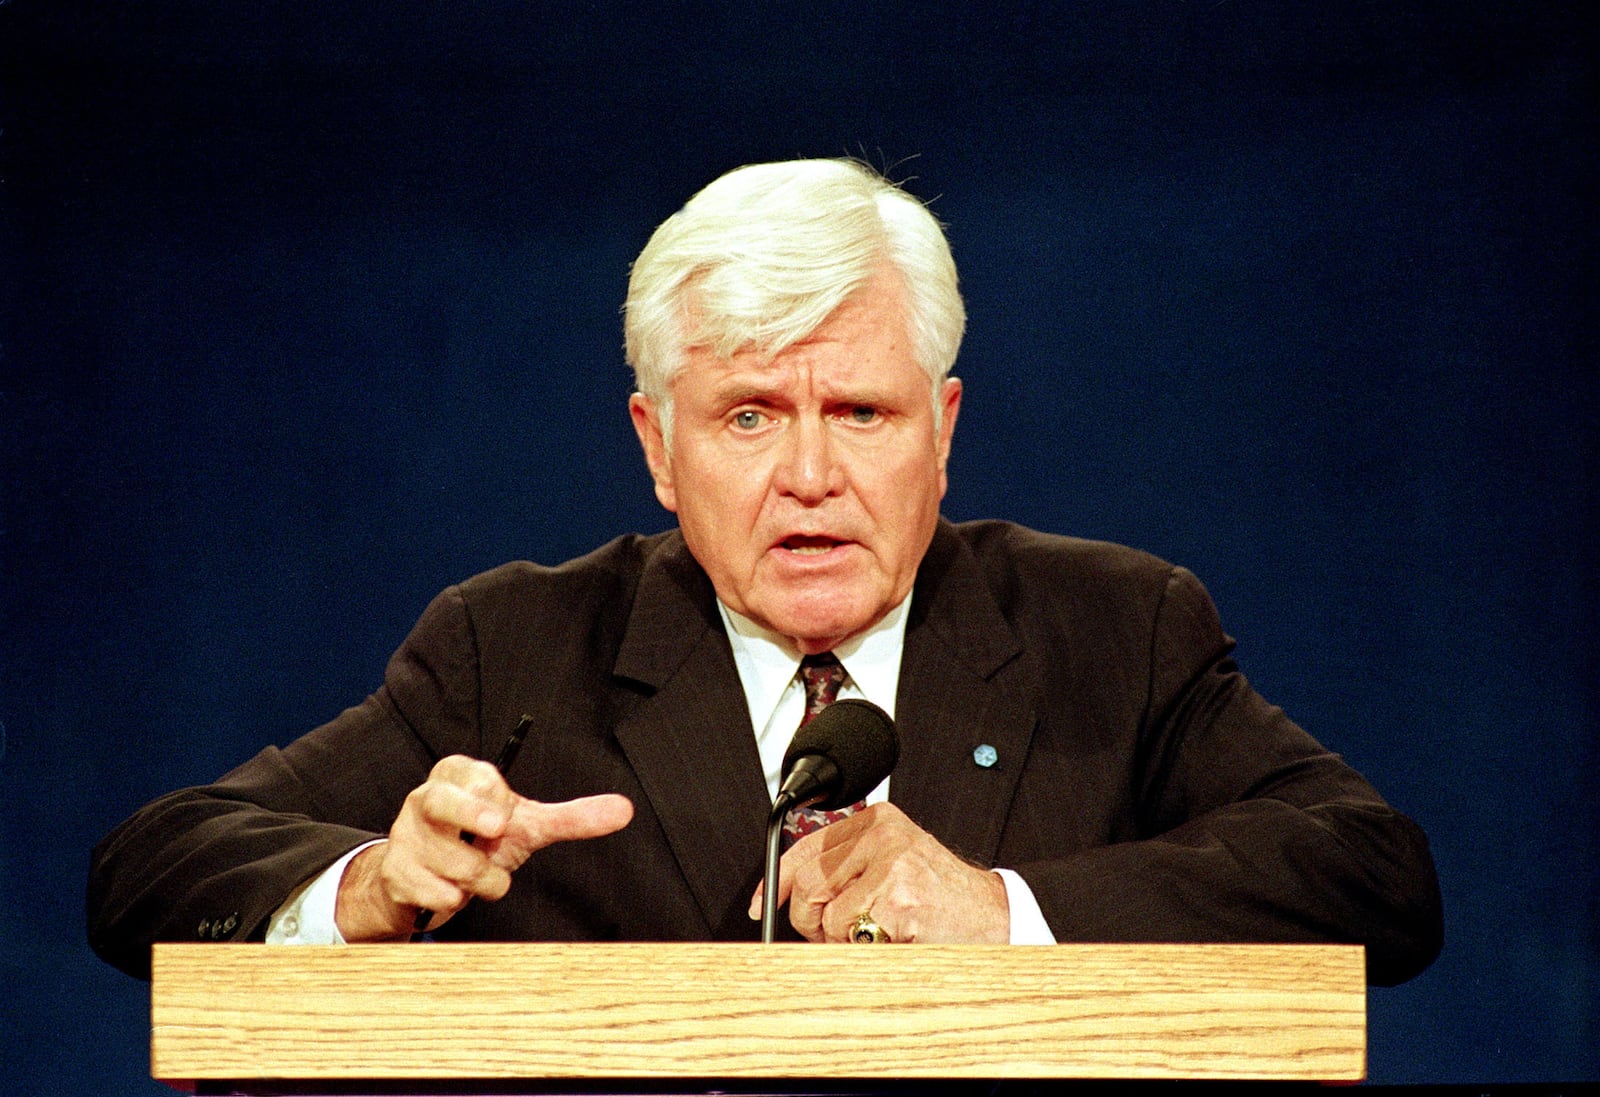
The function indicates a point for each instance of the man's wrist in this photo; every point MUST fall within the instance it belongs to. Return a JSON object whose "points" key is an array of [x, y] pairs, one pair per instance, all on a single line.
{"points": [[363, 912], [307, 916]]}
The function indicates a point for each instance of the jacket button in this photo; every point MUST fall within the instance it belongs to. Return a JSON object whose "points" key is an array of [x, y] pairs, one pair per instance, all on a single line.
{"points": [[203, 930]]}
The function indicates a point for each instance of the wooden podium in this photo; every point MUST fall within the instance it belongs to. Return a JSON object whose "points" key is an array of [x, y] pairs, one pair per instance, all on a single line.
{"points": [[426, 1018]]}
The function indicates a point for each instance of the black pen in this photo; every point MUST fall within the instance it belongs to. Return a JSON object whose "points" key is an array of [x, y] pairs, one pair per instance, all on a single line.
{"points": [[502, 762]]}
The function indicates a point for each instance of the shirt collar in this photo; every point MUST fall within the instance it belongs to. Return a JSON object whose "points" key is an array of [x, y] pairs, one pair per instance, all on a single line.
{"points": [[767, 661]]}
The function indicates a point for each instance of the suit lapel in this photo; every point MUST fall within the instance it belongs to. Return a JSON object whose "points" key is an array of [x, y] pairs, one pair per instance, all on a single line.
{"points": [[965, 683], [690, 741]]}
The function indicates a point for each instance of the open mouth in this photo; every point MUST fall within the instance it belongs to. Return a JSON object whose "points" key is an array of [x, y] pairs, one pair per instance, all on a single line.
{"points": [[809, 546]]}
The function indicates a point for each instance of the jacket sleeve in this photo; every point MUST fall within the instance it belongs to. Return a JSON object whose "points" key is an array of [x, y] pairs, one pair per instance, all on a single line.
{"points": [[1246, 829], [214, 862]]}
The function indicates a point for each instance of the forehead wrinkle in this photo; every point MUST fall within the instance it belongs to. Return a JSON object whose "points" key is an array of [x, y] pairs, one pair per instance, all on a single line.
{"points": [[749, 374], [800, 382]]}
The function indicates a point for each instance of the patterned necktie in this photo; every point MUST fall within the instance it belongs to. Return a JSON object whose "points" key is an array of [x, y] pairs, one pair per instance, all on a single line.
{"points": [[822, 675]]}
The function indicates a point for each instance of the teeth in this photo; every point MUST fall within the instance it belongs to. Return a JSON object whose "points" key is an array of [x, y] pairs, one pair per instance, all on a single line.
{"points": [[810, 550]]}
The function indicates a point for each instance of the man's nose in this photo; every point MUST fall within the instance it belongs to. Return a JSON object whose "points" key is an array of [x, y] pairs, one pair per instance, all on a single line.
{"points": [[809, 469]]}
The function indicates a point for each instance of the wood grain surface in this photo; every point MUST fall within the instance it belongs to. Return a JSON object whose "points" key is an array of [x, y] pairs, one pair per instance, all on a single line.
{"points": [[740, 1010]]}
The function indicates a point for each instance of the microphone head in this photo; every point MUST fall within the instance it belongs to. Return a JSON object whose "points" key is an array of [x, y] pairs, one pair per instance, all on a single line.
{"points": [[859, 738]]}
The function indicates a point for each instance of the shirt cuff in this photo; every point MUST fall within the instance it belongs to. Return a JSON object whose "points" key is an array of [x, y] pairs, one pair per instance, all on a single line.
{"points": [[307, 916], [1028, 926]]}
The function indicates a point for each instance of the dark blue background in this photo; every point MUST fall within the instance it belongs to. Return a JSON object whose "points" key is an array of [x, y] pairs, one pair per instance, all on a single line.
{"points": [[310, 309]]}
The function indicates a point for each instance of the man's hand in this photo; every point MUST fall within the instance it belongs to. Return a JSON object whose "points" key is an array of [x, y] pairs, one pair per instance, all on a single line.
{"points": [[426, 865], [878, 860]]}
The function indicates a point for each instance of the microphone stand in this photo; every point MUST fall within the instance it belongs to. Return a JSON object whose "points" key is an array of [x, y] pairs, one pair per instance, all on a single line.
{"points": [[769, 888], [814, 777]]}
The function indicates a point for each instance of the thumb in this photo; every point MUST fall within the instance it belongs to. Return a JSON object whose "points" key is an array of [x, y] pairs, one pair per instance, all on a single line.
{"points": [[573, 820]]}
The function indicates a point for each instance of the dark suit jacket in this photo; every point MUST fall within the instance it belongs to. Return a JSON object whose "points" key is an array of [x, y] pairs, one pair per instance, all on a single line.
{"points": [[1142, 789]]}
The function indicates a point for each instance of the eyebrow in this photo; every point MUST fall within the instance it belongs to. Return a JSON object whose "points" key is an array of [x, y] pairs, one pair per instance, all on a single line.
{"points": [[757, 387], [739, 391]]}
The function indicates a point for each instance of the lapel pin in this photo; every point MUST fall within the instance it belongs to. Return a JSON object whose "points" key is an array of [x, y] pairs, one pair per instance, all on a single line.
{"points": [[985, 756]]}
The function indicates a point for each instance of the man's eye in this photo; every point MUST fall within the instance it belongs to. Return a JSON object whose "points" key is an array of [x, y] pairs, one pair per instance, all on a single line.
{"points": [[863, 414], [747, 420]]}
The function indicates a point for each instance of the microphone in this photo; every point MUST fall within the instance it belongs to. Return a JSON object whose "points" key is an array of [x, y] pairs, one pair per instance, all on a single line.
{"points": [[833, 761], [837, 758]]}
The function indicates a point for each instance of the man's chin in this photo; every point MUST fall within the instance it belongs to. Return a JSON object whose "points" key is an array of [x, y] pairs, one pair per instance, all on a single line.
{"points": [[814, 632]]}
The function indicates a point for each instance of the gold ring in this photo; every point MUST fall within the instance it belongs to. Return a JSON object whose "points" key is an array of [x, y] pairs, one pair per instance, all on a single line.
{"points": [[865, 931]]}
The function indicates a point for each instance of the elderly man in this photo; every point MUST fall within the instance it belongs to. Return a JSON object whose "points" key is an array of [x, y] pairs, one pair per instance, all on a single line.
{"points": [[1081, 758]]}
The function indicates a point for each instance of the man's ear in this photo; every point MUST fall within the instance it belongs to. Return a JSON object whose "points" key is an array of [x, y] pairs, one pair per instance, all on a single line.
{"points": [[950, 400], [647, 425]]}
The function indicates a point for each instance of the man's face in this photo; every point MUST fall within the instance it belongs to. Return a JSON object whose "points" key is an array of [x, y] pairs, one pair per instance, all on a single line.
{"points": [[808, 485]]}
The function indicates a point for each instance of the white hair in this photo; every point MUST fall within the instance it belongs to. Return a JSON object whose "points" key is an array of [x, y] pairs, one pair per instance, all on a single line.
{"points": [[764, 254]]}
